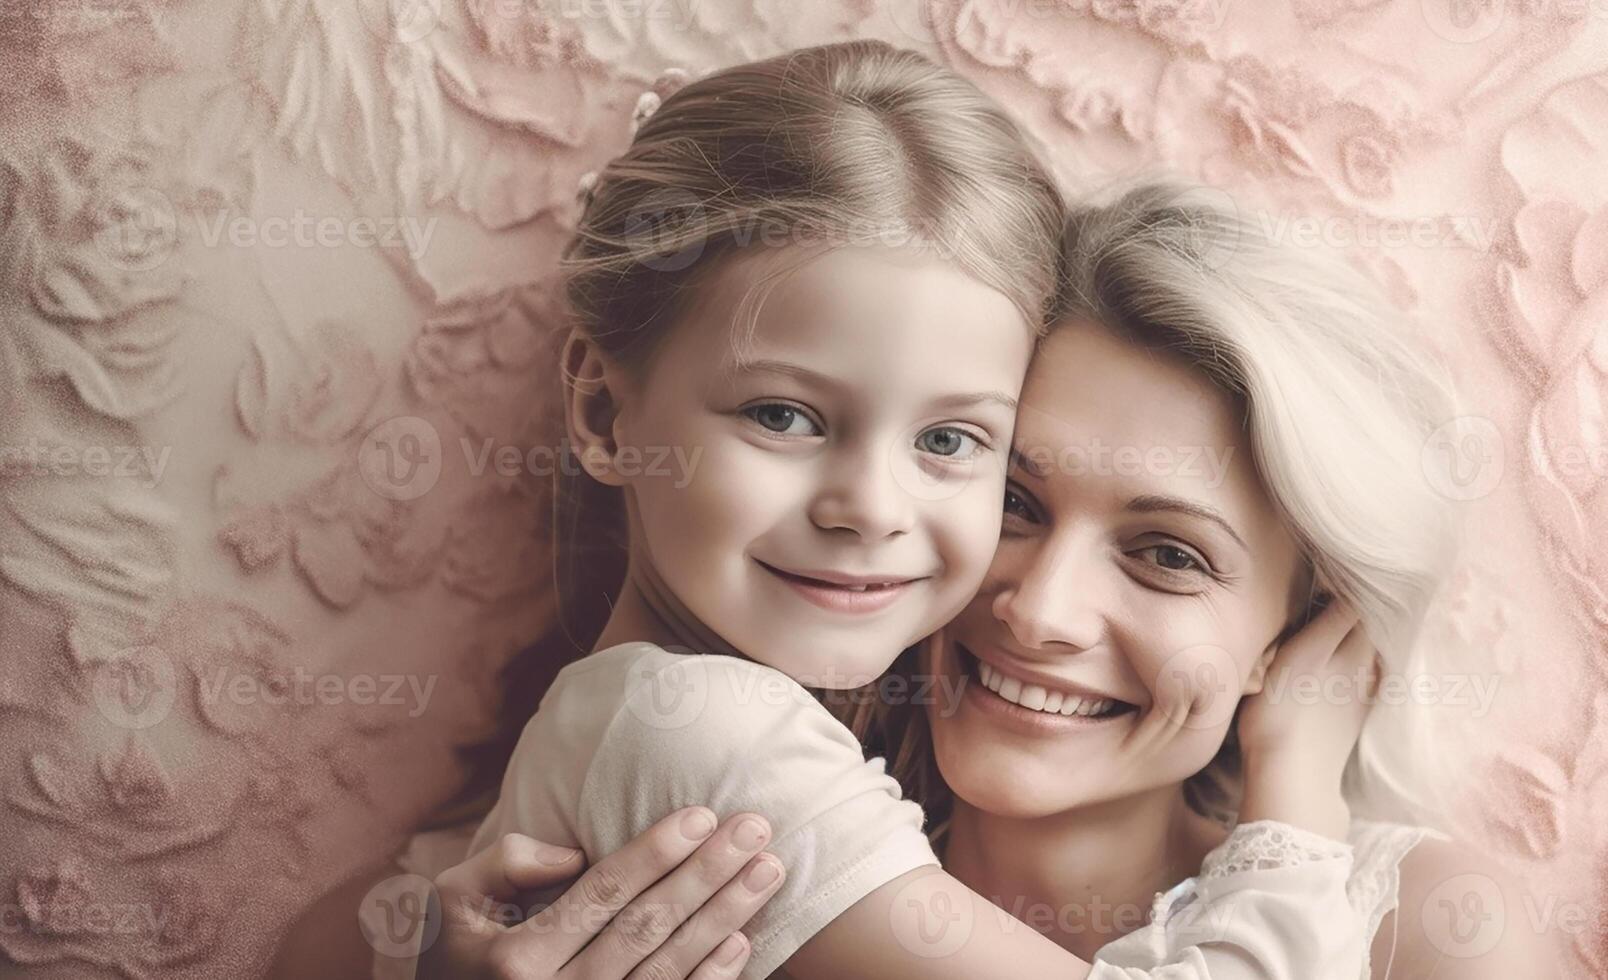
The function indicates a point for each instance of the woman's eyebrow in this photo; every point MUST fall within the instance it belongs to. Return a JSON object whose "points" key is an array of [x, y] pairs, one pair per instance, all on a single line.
{"points": [[1021, 461], [1150, 503]]}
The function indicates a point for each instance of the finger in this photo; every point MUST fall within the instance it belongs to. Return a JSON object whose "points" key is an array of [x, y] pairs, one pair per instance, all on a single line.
{"points": [[562, 928], [726, 961], [500, 872], [1317, 641], [646, 923], [698, 939]]}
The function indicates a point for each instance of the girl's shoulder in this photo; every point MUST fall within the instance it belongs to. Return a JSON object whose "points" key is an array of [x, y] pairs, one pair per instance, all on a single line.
{"points": [[642, 674], [677, 696]]}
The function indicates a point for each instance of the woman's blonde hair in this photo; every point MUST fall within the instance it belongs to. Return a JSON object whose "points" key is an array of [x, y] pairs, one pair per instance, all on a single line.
{"points": [[1338, 406], [857, 143]]}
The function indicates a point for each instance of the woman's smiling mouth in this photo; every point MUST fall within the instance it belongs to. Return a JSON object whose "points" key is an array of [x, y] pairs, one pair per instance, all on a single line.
{"points": [[1033, 707], [843, 593]]}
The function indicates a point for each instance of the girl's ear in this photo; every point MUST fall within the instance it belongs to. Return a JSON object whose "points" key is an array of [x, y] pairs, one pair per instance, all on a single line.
{"points": [[591, 407]]}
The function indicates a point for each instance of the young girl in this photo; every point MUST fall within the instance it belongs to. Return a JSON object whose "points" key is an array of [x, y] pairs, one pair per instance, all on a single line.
{"points": [[814, 284]]}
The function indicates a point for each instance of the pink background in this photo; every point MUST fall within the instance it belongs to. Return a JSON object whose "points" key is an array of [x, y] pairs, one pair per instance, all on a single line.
{"points": [[155, 158]]}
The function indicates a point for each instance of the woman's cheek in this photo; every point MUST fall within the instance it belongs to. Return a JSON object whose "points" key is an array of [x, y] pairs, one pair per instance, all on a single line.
{"points": [[1198, 674]]}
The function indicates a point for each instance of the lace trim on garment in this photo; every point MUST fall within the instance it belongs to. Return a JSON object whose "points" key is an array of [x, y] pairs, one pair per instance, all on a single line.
{"points": [[1375, 881], [1263, 845]]}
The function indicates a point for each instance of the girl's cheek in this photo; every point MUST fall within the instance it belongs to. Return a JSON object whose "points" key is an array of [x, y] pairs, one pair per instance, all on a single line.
{"points": [[974, 533]]}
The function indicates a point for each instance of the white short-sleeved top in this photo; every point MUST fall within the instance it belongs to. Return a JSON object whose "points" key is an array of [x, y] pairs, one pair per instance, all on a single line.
{"points": [[631, 733], [634, 732]]}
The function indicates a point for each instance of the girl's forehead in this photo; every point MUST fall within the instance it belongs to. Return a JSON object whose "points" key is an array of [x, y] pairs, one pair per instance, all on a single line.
{"points": [[766, 302]]}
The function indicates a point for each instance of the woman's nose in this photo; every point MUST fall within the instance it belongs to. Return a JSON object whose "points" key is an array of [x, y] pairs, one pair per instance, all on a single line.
{"points": [[1045, 601], [864, 496]]}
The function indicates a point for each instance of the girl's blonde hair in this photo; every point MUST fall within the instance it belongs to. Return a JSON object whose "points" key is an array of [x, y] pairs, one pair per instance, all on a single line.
{"points": [[857, 143], [842, 144], [1337, 407], [852, 143]]}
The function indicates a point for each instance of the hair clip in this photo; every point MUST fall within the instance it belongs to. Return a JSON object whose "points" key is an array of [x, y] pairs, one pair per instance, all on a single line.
{"points": [[666, 85], [647, 104]]}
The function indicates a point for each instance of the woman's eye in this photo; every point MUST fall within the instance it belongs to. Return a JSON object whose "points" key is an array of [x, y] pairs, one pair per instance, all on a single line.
{"points": [[1016, 507], [948, 441], [1175, 559], [782, 419]]}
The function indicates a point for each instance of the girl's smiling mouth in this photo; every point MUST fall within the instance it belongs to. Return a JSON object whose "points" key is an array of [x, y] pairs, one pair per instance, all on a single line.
{"points": [[839, 592]]}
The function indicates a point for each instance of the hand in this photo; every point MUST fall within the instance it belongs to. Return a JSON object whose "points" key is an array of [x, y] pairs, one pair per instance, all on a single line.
{"points": [[667, 904], [1294, 748]]}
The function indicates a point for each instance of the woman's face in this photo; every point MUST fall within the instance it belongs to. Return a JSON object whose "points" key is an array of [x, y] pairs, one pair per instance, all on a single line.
{"points": [[1142, 574]]}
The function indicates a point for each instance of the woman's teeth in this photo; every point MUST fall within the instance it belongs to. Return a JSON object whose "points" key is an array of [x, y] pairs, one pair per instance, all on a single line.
{"points": [[1038, 698]]}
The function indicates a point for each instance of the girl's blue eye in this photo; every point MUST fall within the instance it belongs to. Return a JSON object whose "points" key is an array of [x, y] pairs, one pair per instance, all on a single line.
{"points": [[782, 419], [948, 441]]}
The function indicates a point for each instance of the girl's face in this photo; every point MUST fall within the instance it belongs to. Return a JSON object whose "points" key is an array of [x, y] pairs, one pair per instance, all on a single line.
{"points": [[833, 495], [1141, 575]]}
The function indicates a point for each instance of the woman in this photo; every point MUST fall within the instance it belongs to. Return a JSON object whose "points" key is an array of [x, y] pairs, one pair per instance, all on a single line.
{"points": [[1219, 435]]}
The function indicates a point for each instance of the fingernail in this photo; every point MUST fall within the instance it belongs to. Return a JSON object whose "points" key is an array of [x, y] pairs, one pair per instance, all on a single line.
{"points": [[553, 855], [750, 834], [729, 950], [762, 875], [697, 824]]}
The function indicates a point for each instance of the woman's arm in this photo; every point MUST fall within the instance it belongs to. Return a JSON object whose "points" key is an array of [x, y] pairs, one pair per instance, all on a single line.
{"points": [[667, 904]]}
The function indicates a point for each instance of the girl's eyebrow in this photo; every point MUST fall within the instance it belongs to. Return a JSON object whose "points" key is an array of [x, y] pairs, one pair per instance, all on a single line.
{"points": [[769, 365], [1151, 503], [981, 397]]}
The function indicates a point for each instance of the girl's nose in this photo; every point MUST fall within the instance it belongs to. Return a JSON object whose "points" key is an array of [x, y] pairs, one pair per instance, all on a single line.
{"points": [[864, 497]]}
